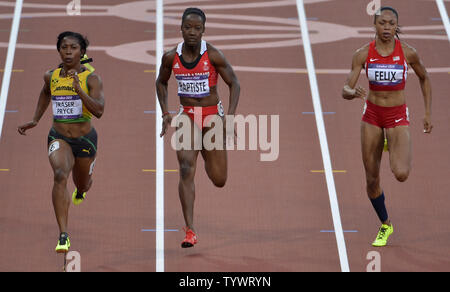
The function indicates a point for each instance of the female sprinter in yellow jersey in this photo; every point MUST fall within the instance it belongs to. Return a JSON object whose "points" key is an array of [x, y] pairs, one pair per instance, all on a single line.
{"points": [[386, 61], [76, 94]]}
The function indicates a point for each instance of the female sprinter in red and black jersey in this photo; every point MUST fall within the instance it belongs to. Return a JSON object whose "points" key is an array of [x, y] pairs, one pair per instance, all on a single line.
{"points": [[386, 60], [196, 65]]}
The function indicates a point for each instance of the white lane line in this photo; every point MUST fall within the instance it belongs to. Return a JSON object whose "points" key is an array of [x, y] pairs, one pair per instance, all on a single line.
{"points": [[9, 61], [440, 4], [318, 71], [159, 146], [323, 139]]}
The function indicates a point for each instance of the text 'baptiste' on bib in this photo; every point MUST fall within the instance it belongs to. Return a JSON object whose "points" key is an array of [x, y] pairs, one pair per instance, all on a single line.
{"points": [[194, 79], [193, 86]]}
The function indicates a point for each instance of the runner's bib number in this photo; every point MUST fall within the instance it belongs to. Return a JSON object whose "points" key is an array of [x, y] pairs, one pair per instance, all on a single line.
{"points": [[193, 86], [381, 74], [67, 107]]}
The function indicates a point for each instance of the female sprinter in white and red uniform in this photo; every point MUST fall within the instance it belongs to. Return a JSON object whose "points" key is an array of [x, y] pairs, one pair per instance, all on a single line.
{"points": [[386, 61], [196, 65]]}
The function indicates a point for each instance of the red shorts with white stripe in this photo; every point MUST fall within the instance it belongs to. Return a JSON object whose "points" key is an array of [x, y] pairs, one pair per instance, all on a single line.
{"points": [[202, 115], [385, 117]]}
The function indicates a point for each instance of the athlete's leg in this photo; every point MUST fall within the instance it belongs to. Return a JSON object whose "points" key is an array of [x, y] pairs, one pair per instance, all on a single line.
{"points": [[187, 160], [216, 166], [399, 141], [82, 173], [372, 142], [85, 153], [62, 161], [216, 162]]}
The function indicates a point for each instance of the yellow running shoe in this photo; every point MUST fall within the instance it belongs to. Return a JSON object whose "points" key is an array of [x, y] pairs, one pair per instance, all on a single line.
{"points": [[63, 243], [386, 147], [383, 235], [76, 199]]}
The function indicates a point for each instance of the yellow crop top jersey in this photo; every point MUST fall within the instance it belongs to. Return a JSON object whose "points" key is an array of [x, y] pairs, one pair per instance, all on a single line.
{"points": [[67, 104]]}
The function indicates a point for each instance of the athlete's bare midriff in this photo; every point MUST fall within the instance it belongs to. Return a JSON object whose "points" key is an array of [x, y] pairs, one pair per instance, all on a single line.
{"points": [[73, 130], [210, 100], [387, 98]]}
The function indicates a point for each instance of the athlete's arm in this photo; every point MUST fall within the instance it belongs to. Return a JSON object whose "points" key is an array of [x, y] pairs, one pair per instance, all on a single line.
{"points": [[416, 63], [43, 102], [229, 77], [95, 102], [349, 91], [161, 87]]}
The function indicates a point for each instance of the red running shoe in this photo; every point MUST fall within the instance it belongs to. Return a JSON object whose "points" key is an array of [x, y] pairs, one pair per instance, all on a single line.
{"points": [[190, 239]]}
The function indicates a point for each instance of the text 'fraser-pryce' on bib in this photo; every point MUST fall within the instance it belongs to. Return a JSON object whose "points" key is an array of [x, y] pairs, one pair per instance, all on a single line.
{"points": [[67, 107]]}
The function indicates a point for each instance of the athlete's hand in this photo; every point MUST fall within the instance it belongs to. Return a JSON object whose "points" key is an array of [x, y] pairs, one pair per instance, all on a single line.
{"points": [[231, 139], [23, 128], [349, 93], [167, 120], [427, 126], [361, 93], [72, 73], [230, 134]]}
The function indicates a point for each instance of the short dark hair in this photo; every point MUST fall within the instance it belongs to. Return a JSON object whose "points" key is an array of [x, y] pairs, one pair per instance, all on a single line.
{"points": [[82, 41], [383, 9], [193, 10]]}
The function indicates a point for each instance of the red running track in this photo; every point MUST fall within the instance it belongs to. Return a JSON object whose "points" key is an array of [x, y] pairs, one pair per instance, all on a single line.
{"points": [[270, 215]]}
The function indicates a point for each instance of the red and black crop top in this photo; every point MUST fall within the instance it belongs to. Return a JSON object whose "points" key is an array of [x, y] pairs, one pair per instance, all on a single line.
{"points": [[194, 79]]}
